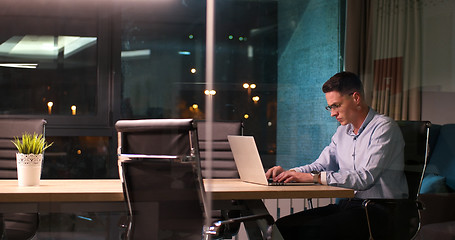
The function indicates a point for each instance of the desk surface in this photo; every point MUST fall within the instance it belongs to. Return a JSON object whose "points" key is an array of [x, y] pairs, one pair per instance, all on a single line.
{"points": [[87, 190], [110, 190], [223, 189]]}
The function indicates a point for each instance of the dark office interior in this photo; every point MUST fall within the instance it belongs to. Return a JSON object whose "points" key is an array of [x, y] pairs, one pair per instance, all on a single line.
{"points": [[83, 65]]}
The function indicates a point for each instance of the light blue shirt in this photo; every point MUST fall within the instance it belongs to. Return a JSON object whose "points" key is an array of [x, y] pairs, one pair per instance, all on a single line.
{"points": [[370, 162]]}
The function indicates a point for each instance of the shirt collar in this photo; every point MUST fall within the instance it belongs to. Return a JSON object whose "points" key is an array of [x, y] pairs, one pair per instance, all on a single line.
{"points": [[370, 115]]}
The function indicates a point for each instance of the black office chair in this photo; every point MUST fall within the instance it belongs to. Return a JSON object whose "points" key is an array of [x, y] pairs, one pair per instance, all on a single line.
{"points": [[17, 225], [404, 214], [223, 165], [163, 197], [157, 158], [160, 170]]}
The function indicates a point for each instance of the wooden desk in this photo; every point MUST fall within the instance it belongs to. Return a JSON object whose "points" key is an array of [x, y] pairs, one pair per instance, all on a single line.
{"points": [[110, 190], [227, 189], [90, 195], [89, 190], [107, 194], [99, 195]]}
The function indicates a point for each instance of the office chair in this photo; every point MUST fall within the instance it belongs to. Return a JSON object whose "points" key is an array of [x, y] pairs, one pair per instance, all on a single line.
{"points": [[163, 198], [160, 171], [404, 221], [223, 165], [17, 225], [155, 155]]}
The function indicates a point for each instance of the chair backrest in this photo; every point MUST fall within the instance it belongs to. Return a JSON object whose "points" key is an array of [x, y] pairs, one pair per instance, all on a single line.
{"points": [[163, 196], [10, 128], [159, 161], [223, 165], [416, 150], [173, 137], [442, 159]]}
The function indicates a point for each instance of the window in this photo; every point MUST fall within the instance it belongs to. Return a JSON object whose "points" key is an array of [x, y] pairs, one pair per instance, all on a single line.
{"points": [[53, 63]]}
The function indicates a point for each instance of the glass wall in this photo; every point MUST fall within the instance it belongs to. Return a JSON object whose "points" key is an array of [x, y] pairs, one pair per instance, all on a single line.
{"points": [[55, 64], [163, 63], [83, 65], [86, 64], [311, 43]]}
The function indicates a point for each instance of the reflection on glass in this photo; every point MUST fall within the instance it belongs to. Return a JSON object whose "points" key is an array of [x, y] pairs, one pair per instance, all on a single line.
{"points": [[171, 77], [78, 157], [46, 74], [44, 47]]}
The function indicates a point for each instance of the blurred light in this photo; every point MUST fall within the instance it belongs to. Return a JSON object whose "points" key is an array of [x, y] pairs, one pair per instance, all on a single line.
{"points": [[79, 152], [193, 70], [49, 107], [73, 110], [250, 51], [19, 65], [195, 106], [246, 85], [246, 116], [255, 98], [269, 124], [210, 92], [191, 36], [45, 46], [85, 218], [187, 53], [253, 85], [230, 37], [135, 53]]}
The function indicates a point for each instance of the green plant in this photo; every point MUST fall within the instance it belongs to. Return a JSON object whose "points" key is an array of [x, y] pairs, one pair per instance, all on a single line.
{"points": [[34, 144]]}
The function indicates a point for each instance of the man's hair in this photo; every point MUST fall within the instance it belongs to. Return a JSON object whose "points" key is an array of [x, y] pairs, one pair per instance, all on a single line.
{"points": [[345, 83]]}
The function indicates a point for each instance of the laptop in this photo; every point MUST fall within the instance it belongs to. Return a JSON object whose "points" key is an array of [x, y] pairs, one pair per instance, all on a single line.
{"points": [[248, 162]]}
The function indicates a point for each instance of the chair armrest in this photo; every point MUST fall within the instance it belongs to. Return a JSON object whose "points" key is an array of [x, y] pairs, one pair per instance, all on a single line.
{"points": [[217, 227], [438, 207]]}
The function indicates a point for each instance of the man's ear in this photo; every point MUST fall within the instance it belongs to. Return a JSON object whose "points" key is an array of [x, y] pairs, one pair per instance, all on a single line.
{"points": [[356, 96]]}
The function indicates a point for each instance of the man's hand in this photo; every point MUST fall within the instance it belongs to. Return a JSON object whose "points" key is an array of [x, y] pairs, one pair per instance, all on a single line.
{"points": [[293, 176], [274, 171], [279, 174]]}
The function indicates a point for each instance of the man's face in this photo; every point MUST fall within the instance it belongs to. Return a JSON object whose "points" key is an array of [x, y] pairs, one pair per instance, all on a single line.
{"points": [[342, 107]]}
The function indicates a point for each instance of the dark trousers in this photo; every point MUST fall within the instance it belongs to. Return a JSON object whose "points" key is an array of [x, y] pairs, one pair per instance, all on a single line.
{"points": [[345, 220]]}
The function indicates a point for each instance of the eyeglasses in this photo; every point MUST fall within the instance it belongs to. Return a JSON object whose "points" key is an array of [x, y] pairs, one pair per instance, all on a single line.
{"points": [[333, 107], [336, 105]]}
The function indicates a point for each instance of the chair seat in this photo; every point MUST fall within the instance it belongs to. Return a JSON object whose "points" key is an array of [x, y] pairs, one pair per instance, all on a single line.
{"points": [[440, 231], [400, 222]]}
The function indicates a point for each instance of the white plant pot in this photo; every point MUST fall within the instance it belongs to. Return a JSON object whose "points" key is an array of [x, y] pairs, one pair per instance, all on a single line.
{"points": [[29, 169]]}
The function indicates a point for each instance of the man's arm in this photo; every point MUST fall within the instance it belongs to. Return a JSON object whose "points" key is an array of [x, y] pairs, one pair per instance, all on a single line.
{"points": [[303, 173]]}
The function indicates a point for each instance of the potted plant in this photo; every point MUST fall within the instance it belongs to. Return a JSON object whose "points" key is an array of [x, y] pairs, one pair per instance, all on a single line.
{"points": [[29, 158]]}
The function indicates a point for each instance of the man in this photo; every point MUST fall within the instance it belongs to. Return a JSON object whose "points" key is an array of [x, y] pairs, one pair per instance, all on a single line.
{"points": [[365, 154]]}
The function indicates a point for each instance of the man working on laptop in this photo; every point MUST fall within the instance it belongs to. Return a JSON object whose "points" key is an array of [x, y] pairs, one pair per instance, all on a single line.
{"points": [[365, 154]]}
